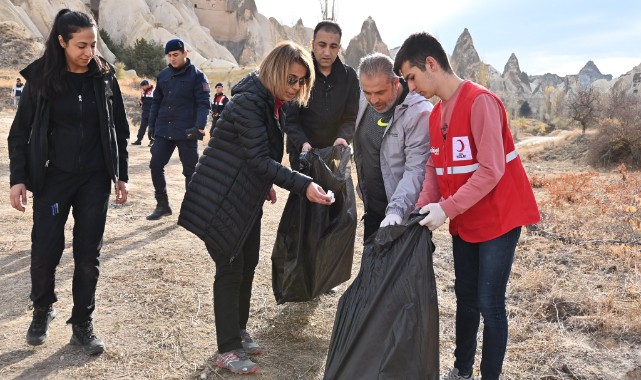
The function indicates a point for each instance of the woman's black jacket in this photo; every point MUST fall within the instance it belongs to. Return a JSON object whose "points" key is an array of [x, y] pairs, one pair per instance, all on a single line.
{"points": [[28, 142], [236, 171]]}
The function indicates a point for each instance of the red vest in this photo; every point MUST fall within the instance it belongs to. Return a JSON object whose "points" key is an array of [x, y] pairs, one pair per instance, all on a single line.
{"points": [[510, 204]]}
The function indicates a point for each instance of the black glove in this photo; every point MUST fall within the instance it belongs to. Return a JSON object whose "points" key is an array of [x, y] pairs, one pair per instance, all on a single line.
{"points": [[194, 134]]}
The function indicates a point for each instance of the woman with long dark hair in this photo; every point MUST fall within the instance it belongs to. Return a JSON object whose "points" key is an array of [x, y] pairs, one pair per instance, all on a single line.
{"points": [[68, 141], [235, 176]]}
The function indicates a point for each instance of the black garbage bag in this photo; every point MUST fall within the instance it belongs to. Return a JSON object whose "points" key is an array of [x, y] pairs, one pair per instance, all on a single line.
{"points": [[386, 324], [314, 246]]}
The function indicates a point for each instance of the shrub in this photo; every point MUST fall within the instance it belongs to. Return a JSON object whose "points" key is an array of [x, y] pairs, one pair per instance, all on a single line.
{"points": [[147, 58], [615, 143]]}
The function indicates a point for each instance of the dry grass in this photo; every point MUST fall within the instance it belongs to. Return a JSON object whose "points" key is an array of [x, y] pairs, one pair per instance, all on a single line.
{"points": [[573, 308]]}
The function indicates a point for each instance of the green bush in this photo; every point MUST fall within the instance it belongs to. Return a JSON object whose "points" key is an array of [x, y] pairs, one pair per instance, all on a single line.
{"points": [[147, 58]]}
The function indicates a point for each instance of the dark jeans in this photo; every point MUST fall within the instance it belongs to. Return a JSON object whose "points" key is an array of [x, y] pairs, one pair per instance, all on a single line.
{"points": [[372, 222], [233, 290], [161, 152], [214, 119], [482, 271], [144, 123], [88, 196]]}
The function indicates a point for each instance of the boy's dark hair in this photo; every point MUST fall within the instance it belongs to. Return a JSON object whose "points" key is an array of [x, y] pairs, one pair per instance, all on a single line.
{"points": [[328, 26], [416, 48]]}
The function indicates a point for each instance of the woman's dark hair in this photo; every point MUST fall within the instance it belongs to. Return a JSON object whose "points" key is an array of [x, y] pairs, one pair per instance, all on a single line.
{"points": [[50, 82]]}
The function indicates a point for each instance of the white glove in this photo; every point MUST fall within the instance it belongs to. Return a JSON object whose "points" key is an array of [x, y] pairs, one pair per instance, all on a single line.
{"points": [[435, 216], [390, 220]]}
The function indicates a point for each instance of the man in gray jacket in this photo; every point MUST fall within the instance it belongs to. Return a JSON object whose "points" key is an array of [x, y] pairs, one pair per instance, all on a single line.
{"points": [[391, 143]]}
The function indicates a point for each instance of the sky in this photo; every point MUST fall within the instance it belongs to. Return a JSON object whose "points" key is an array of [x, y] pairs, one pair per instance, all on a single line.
{"points": [[547, 36]]}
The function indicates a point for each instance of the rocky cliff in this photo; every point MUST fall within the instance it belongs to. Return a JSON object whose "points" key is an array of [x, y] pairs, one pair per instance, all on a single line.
{"points": [[367, 41]]}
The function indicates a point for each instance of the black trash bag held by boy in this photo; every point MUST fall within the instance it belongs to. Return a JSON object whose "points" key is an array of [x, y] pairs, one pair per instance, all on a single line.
{"points": [[386, 324]]}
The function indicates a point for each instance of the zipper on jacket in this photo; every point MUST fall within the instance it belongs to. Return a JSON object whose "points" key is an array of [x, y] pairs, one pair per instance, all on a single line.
{"points": [[82, 135]]}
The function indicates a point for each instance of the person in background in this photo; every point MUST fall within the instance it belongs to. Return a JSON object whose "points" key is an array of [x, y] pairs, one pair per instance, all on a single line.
{"points": [[68, 141], [217, 106], [390, 145], [474, 177], [16, 92], [178, 117], [329, 118], [235, 176], [146, 98]]}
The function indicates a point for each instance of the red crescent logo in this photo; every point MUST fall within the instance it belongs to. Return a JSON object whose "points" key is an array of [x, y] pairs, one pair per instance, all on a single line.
{"points": [[462, 146]]}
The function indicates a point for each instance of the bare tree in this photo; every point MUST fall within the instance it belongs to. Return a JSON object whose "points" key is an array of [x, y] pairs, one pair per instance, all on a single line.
{"points": [[325, 11], [583, 108]]}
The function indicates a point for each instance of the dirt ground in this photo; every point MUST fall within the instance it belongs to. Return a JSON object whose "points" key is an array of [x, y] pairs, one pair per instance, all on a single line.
{"points": [[154, 301]]}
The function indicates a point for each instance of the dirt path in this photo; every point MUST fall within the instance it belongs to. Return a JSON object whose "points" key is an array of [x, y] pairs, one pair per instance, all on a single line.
{"points": [[154, 308]]}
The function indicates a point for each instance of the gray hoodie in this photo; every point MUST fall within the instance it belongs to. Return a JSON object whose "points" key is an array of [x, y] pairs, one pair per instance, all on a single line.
{"points": [[404, 152]]}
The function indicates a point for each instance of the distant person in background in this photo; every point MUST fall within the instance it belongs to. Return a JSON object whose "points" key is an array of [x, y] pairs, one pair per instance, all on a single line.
{"points": [[178, 117], [146, 99], [217, 106], [474, 177], [16, 92], [67, 142], [391, 144], [329, 118], [235, 176]]}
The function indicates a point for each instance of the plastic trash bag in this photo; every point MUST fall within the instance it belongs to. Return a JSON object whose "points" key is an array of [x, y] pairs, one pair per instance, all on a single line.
{"points": [[314, 246], [386, 324]]}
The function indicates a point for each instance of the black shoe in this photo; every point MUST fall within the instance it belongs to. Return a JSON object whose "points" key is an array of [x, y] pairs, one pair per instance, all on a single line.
{"points": [[151, 143], [160, 211], [137, 142], [42, 316], [83, 336]]}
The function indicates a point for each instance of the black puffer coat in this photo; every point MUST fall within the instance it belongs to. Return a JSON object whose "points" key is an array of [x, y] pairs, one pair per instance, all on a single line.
{"points": [[236, 171]]}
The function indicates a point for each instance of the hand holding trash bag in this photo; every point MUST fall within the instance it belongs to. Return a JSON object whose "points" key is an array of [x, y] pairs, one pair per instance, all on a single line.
{"points": [[391, 220], [435, 216]]}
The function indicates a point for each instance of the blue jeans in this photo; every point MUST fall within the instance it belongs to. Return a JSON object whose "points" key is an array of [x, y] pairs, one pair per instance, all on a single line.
{"points": [[482, 271]]}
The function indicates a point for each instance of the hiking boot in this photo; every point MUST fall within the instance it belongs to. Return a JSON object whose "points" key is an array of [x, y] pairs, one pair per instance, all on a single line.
{"points": [[137, 142], [250, 347], [237, 362], [83, 336], [151, 143], [37, 332], [454, 374], [162, 207]]}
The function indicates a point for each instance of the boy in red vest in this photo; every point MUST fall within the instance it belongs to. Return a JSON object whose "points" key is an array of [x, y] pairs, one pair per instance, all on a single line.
{"points": [[474, 177]]}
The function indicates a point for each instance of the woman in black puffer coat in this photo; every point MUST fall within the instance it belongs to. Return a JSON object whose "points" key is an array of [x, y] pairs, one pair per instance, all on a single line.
{"points": [[234, 177]]}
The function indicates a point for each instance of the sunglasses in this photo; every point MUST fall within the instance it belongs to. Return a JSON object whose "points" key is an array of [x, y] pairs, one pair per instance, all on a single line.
{"points": [[292, 79]]}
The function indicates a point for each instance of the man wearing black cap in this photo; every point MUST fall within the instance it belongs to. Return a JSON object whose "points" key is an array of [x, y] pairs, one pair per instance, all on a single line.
{"points": [[146, 98], [217, 106], [178, 117]]}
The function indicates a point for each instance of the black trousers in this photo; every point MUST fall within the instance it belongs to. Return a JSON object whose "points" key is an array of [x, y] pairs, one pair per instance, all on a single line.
{"points": [[87, 196], [144, 123], [233, 290], [372, 222], [161, 152]]}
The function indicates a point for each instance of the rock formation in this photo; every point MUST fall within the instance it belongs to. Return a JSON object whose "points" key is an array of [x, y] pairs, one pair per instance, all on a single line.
{"points": [[366, 42]]}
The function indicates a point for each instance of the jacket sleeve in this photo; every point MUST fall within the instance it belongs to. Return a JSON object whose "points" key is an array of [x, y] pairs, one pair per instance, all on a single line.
{"points": [[201, 94], [155, 104], [122, 132], [18, 139], [252, 131], [416, 151], [294, 128], [348, 120]]}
